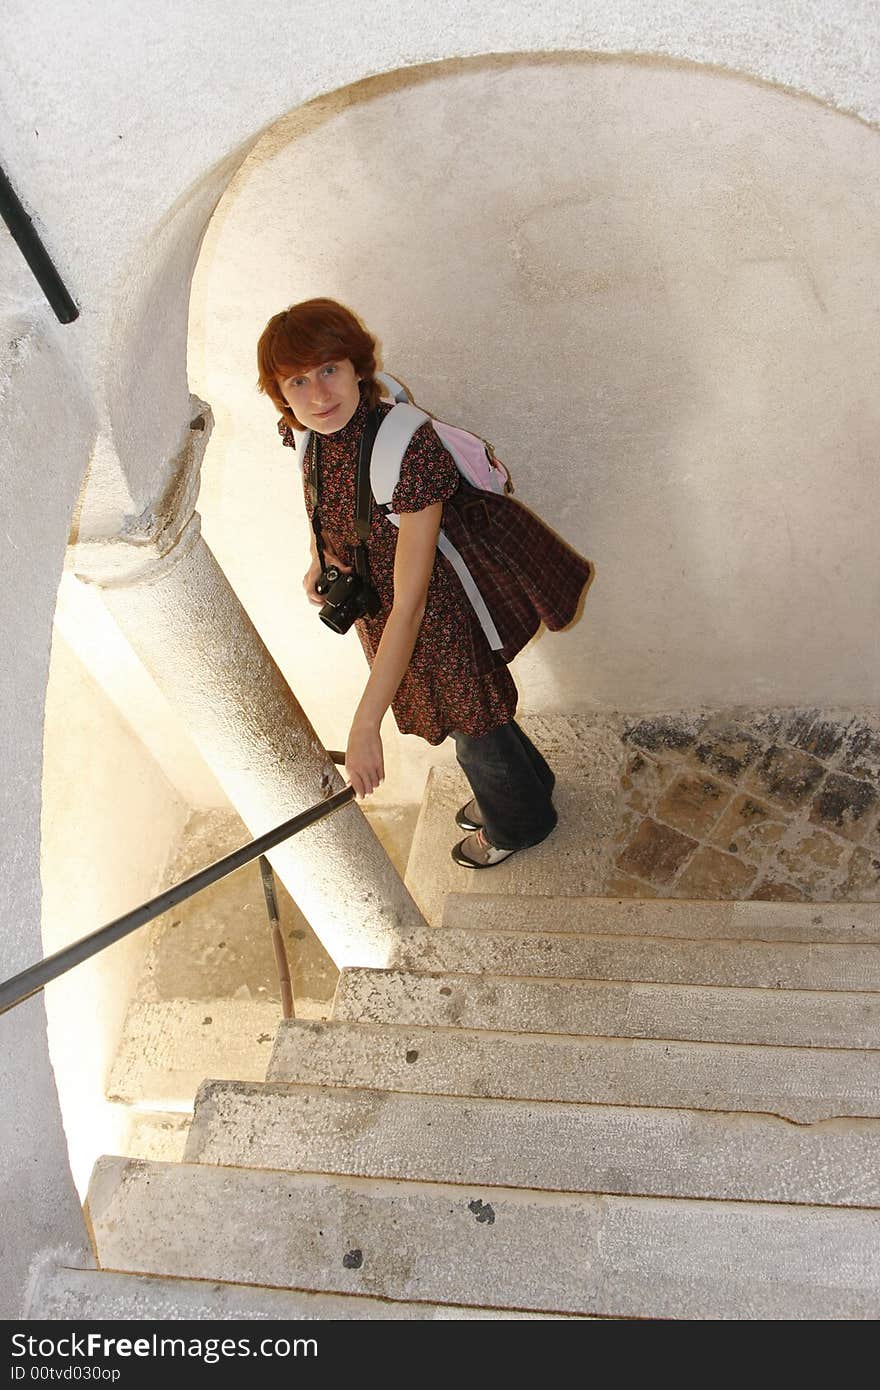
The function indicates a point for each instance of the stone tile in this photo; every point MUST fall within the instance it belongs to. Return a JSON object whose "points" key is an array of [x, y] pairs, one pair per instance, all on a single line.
{"points": [[748, 828], [711, 874], [627, 826], [727, 749], [692, 804], [772, 891], [860, 756], [786, 776], [816, 863], [767, 725], [796, 726], [643, 780], [622, 886], [813, 734], [845, 805], [656, 853], [863, 881], [664, 733]]}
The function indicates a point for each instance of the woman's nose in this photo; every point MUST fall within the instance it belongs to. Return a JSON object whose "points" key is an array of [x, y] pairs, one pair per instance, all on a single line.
{"points": [[319, 390]]}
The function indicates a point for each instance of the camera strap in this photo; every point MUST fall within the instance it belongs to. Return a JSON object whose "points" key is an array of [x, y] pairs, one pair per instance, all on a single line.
{"points": [[363, 494]]}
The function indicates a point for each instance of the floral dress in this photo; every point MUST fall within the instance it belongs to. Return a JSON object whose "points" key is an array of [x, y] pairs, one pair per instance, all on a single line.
{"points": [[454, 680]]}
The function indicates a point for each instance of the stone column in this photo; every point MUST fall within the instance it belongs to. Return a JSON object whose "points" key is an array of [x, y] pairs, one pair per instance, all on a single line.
{"points": [[175, 606]]}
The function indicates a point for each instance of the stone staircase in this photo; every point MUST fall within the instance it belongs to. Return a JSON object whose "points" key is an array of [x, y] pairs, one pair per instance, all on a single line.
{"points": [[571, 1107], [560, 1102]]}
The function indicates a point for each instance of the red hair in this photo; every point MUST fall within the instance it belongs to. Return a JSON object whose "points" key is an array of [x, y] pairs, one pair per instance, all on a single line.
{"points": [[306, 336]]}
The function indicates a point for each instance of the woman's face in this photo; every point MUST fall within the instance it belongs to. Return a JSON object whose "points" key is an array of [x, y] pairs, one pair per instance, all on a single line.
{"points": [[325, 398]]}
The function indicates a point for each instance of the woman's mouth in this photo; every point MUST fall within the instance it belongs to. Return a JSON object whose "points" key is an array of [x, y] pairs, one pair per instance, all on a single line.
{"points": [[322, 414]]}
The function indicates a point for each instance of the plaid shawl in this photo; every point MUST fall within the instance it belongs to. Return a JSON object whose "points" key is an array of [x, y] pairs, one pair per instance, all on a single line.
{"points": [[526, 573]]}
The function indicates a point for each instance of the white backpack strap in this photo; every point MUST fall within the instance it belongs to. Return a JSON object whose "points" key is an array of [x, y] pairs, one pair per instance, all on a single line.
{"points": [[484, 617], [393, 388], [392, 441], [468, 584]]}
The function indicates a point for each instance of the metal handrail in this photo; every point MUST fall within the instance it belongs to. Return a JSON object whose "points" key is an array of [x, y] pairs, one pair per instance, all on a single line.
{"points": [[32, 980], [25, 235]]}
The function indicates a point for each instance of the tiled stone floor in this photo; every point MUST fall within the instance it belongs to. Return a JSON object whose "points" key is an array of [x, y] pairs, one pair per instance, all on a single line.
{"points": [[778, 804]]}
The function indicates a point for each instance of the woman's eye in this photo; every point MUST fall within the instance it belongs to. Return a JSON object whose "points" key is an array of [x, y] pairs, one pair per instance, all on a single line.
{"points": [[329, 370]]}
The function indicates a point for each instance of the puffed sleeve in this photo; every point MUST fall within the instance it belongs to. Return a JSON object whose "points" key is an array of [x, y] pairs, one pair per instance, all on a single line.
{"points": [[427, 473]]}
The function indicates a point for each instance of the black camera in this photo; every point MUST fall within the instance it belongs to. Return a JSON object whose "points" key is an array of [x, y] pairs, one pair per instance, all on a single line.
{"points": [[346, 597], [326, 578]]}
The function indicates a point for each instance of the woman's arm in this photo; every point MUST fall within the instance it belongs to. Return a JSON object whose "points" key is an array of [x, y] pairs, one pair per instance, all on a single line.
{"points": [[413, 563]]}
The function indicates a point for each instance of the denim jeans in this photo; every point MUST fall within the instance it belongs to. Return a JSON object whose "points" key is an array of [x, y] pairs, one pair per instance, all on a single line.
{"points": [[512, 785]]}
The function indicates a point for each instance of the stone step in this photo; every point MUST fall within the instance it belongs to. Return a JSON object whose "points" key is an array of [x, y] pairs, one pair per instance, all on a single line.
{"points": [[840, 923], [780, 1017], [576, 955], [159, 1135], [169, 1046], [87, 1295], [487, 1246], [557, 1147], [800, 1084], [588, 758]]}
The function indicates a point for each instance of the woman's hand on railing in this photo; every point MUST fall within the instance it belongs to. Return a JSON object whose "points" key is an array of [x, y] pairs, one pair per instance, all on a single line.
{"points": [[364, 761]]}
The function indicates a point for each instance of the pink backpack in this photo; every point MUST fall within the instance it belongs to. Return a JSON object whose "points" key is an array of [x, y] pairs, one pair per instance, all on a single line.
{"points": [[473, 457]]}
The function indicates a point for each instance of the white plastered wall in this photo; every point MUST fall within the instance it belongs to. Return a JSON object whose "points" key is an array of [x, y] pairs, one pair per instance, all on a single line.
{"points": [[121, 129], [110, 820], [39, 1202], [656, 289]]}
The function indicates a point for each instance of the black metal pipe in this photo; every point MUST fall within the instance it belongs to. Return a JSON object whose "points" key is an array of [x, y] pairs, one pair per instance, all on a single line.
{"points": [[30, 981], [28, 241], [281, 962]]}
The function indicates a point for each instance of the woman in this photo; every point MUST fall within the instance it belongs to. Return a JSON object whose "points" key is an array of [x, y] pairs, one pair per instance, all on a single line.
{"points": [[429, 657]]}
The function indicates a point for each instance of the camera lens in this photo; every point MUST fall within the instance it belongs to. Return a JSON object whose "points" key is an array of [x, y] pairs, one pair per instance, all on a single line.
{"points": [[348, 598]]}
